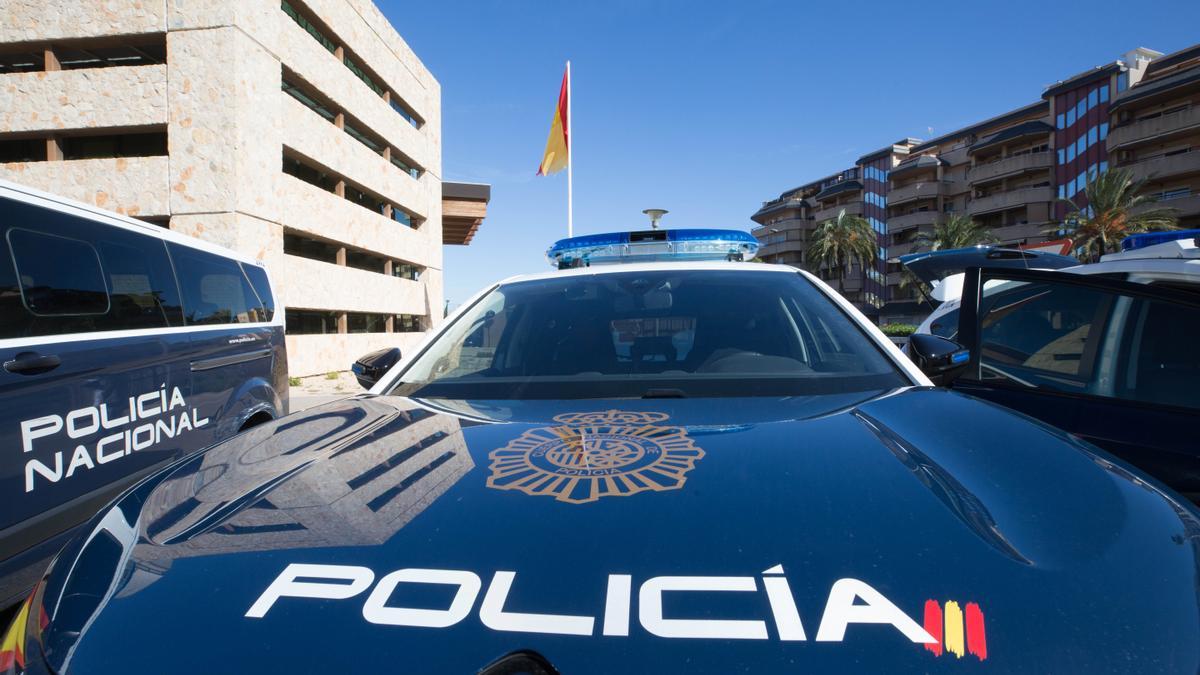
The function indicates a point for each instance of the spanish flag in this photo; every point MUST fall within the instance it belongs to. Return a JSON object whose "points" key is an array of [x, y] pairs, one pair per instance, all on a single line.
{"points": [[558, 145]]}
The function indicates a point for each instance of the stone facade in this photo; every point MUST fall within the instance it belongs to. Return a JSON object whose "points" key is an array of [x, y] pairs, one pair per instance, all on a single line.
{"points": [[228, 126]]}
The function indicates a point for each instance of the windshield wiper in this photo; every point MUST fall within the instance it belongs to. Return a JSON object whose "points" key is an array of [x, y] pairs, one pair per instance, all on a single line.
{"points": [[664, 393]]}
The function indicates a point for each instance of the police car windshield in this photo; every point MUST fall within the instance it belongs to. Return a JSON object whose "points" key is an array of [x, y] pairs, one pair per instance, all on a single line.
{"points": [[651, 334]]}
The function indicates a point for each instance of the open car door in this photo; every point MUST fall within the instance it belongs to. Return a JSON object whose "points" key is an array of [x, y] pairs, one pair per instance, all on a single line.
{"points": [[1112, 362]]}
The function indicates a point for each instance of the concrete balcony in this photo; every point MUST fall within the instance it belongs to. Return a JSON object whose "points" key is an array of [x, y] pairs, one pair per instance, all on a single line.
{"points": [[911, 220], [1013, 199], [1166, 166], [786, 246], [900, 249], [1010, 166], [852, 209], [1155, 129], [920, 190], [1185, 207]]}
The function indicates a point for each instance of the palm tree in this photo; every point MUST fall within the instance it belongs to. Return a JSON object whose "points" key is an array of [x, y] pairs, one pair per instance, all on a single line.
{"points": [[1115, 210], [841, 242], [955, 231]]}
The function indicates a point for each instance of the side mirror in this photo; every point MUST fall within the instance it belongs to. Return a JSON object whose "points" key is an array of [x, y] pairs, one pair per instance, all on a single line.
{"points": [[370, 368], [940, 359]]}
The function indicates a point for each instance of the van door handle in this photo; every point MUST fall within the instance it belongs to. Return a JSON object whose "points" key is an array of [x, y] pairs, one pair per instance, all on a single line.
{"points": [[32, 363]]}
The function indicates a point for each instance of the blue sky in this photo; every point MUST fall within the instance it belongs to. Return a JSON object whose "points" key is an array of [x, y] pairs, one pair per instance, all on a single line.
{"points": [[707, 109]]}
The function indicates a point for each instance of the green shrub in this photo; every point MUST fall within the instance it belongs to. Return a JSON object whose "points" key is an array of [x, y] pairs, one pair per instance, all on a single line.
{"points": [[293, 382], [331, 375], [898, 329]]}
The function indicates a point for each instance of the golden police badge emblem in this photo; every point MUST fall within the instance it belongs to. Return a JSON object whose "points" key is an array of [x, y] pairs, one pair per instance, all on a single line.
{"points": [[591, 455]]}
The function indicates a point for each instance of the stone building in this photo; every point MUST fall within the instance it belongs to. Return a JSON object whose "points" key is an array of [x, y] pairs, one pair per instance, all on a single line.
{"points": [[303, 132]]}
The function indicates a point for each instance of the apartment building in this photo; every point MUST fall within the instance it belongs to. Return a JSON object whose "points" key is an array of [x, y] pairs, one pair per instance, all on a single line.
{"points": [[1155, 132], [1010, 172], [786, 223], [303, 132]]}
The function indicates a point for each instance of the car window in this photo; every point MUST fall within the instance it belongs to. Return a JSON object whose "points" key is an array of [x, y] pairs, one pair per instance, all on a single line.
{"points": [[945, 325], [1162, 363], [58, 276], [1040, 334], [215, 291], [141, 285], [694, 333], [258, 279], [62, 274]]}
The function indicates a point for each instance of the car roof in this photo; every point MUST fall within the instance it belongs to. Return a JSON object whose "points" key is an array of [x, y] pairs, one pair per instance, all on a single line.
{"points": [[707, 266]]}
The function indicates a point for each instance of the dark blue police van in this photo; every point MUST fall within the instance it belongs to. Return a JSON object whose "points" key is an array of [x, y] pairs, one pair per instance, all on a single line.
{"points": [[123, 346]]}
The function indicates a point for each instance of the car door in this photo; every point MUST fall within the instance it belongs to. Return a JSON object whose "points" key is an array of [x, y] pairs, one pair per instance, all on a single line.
{"points": [[234, 351], [1112, 362], [89, 368]]}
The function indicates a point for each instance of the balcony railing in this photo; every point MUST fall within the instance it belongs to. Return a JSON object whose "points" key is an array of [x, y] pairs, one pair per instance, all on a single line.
{"points": [[1010, 166], [852, 209], [1010, 200], [911, 220], [1165, 166], [1155, 128], [1184, 206]]}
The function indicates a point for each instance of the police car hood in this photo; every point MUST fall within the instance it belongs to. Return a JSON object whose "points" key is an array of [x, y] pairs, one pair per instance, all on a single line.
{"points": [[909, 530]]}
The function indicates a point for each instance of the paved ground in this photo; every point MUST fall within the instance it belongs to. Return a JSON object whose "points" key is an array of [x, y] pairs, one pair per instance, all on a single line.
{"points": [[320, 389]]}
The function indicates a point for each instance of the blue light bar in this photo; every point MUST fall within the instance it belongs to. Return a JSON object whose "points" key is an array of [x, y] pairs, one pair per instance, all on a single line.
{"points": [[652, 246], [1135, 241]]}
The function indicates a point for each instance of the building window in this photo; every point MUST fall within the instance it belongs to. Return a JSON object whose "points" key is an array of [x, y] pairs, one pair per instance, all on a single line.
{"points": [[23, 150], [145, 53], [309, 174], [1103, 130], [152, 144], [329, 112], [306, 247], [1093, 98], [311, 322], [1070, 117], [1061, 155], [309, 102], [1062, 121], [1104, 93], [366, 322], [322, 35], [408, 323], [407, 271], [308, 27], [1091, 136]]}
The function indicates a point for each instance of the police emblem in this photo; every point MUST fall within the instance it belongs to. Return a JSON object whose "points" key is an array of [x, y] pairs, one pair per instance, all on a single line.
{"points": [[596, 454]]}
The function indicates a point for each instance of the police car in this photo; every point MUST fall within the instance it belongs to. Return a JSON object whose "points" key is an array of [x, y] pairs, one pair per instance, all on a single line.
{"points": [[702, 466]]}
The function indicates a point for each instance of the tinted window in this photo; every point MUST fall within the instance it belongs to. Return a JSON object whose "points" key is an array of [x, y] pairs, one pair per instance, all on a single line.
{"points": [[258, 279], [729, 333], [141, 286], [59, 276], [1163, 366], [1040, 334], [215, 291], [945, 325]]}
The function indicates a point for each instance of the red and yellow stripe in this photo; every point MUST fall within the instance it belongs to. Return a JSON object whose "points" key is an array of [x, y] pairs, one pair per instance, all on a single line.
{"points": [[558, 145], [957, 631]]}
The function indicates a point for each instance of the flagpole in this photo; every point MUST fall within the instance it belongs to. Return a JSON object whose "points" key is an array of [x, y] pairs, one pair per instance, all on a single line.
{"points": [[570, 157]]}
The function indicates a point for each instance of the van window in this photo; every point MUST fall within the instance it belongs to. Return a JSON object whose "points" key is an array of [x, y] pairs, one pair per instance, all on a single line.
{"points": [[258, 279], [59, 276], [215, 291], [140, 282], [66, 275]]}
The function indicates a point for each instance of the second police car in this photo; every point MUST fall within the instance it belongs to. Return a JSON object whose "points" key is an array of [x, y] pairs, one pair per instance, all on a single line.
{"points": [[703, 466]]}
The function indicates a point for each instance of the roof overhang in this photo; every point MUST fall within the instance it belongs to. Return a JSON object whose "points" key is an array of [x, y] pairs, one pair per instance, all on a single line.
{"points": [[464, 206]]}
